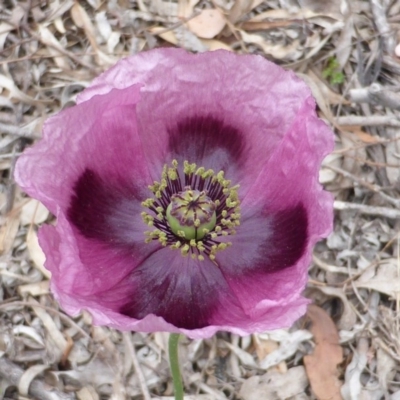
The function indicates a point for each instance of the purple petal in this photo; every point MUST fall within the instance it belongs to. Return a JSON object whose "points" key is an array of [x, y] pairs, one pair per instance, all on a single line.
{"points": [[100, 135], [85, 267], [285, 213], [247, 95], [266, 241], [240, 114], [210, 142], [290, 176], [87, 275], [187, 293], [107, 211]]}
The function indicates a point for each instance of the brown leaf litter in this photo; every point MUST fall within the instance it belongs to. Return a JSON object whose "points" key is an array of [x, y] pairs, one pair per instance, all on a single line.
{"points": [[322, 366], [350, 346]]}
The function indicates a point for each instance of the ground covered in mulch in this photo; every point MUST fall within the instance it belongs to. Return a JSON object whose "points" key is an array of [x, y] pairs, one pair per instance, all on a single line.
{"points": [[348, 345]]}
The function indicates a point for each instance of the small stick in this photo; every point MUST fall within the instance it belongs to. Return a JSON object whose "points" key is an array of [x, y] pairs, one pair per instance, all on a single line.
{"points": [[385, 212], [384, 96], [72, 56], [379, 13], [17, 131], [139, 373], [376, 94], [372, 120], [370, 186]]}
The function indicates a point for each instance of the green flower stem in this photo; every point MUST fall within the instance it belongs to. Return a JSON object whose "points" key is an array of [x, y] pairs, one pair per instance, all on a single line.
{"points": [[174, 365]]}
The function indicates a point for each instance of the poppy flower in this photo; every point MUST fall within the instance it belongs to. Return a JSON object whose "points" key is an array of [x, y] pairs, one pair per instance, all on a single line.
{"points": [[186, 194]]}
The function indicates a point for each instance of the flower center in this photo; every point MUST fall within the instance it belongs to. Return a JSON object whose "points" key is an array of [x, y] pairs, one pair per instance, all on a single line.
{"points": [[193, 212]]}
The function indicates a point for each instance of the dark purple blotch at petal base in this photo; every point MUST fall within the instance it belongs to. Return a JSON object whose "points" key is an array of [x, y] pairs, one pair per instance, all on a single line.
{"points": [[187, 292], [104, 211], [199, 138], [289, 237], [181, 290], [267, 241], [263, 262]]}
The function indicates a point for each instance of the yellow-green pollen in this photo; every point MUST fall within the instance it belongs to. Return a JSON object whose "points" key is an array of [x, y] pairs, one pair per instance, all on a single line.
{"points": [[192, 213]]}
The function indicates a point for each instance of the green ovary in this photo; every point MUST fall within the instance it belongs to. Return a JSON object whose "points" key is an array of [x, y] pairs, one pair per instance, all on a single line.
{"points": [[191, 214]]}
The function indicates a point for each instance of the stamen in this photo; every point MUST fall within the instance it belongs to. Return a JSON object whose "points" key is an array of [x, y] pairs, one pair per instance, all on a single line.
{"points": [[192, 212]]}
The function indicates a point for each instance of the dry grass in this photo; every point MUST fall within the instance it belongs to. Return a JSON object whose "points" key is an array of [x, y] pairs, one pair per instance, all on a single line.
{"points": [[50, 50]]}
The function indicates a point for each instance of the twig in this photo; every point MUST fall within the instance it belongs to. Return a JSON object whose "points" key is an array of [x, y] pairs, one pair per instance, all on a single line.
{"points": [[330, 268], [13, 373], [175, 25], [206, 389], [72, 56], [368, 210], [391, 64], [372, 120], [136, 365], [376, 94], [17, 131], [384, 96], [361, 160], [370, 186], [11, 187], [366, 145], [382, 25]]}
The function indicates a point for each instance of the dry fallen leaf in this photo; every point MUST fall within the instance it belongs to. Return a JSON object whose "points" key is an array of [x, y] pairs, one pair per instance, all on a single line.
{"points": [[186, 8], [50, 326], [352, 388], [321, 365], [168, 35], [384, 279], [87, 393], [35, 289], [5, 29], [82, 20], [321, 6], [242, 7], [361, 134], [274, 385], [392, 150], [171, 37], [289, 344], [291, 51], [36, 253], [8, 231], [213, 44], [245, 358], [348, 316], [207, 24], [194, 397], [54, 47], [265, 346], [28, 376], [386, 367], [33, 212]]}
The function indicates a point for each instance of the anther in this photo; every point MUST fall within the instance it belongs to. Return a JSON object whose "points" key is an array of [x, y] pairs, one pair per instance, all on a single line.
{"points": [[191, 212]]}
